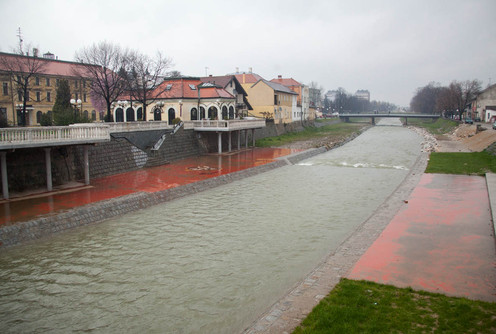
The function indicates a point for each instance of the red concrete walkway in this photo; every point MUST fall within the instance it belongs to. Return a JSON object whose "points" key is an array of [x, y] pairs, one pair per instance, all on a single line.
{"points": [[148, 180], [442, 241]]}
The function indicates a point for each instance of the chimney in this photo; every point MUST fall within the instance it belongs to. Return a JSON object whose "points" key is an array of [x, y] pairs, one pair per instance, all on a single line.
{"points": [[237, 70], [210, 75], [250, 69], [279, 76], [35, 52]]}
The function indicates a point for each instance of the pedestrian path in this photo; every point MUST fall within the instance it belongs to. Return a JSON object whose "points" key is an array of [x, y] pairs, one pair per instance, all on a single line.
{"points": [[150, 180], [441, 241]]}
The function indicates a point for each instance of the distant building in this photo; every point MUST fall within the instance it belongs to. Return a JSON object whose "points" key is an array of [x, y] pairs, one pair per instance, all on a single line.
{"points": [[302, 101], [363, 95], [485, 105]]}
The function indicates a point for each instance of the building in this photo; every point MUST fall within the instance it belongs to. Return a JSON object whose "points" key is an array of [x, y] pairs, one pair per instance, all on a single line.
{"points": [[43, 76], [269, 100], [485, 105], [187, 98], [362, 95], [302, 99], [231, 84]]}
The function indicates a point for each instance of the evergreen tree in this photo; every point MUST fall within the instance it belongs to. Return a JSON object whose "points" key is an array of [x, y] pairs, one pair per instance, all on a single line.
{"points": [[62, 110]]}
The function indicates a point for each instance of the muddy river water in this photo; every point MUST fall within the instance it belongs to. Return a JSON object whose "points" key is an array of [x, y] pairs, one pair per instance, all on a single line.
{"points": [[207, 263]]}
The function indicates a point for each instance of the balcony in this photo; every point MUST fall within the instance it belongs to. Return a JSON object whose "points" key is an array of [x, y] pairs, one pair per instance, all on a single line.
{"points": [[225, 125]]}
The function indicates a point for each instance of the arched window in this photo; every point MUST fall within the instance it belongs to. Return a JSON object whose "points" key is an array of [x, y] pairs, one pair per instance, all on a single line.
{"points": [[224, 112], [172, 114], [157, 114], [140, 114], [130, 114], [102, 115], [119, 115], [85, 113], [38, 116], [202, 113], [194, 114], [231, 112], [212, 112], [93, 115]]}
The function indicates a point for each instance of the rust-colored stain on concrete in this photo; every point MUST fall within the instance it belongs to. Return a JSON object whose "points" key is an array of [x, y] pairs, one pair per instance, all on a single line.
{"points": [[154, 179], [441, 241]]}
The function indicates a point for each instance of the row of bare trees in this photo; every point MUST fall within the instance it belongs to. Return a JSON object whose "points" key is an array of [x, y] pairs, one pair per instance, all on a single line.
{"points": [[116, 72], [445, 100]]}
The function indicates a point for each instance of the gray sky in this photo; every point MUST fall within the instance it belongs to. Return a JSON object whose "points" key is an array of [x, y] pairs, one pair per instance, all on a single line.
{"points": [[388, 47]]}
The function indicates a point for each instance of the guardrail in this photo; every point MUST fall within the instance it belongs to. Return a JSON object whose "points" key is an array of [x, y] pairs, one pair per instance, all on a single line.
{"points": [[224, 125], [52, 135]]}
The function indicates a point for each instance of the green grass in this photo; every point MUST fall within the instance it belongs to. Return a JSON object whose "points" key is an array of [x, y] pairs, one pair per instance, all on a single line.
{"points": [[338, 130], [475, 163], [440, 126], [366, 307]]}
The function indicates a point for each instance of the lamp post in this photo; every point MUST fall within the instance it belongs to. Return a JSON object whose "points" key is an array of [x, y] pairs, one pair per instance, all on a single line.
{"points": [[75, 104]]}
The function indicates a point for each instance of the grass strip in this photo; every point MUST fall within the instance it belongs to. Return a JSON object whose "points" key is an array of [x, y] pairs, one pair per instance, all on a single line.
{"points": [[440, 126], [475, 163], [337, 130], [367, 307]]}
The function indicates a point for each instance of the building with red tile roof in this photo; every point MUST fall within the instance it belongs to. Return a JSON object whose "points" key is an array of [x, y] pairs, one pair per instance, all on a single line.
{"points": [[302, 102], [42, 87], [233, 86], [187, 98]]}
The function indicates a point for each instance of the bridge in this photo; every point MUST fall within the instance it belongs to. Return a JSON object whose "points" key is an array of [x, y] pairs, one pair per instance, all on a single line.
{"points": [[346, 117]]}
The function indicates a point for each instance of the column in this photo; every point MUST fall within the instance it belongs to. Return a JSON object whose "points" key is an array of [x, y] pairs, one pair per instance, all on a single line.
{"points": [[86, 166], [253, 137], [48, 164], [230, 137], [246, 138], [239, 139], [219, 142], [5, 182]]}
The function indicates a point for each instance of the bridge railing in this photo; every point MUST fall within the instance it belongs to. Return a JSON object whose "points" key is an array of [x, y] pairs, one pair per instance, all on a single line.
{"points": [[225, 125]]}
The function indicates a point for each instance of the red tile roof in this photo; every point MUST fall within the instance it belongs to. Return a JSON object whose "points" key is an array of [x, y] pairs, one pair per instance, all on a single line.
{"points": [[51, 67], [248, 78], [288, 82], [182, 88]]}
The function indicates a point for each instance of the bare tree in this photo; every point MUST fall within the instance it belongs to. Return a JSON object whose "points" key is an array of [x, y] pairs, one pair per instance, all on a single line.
{"points": [[469, 90], [424, 100], [102, 64], [143, 77], [22, 68]]}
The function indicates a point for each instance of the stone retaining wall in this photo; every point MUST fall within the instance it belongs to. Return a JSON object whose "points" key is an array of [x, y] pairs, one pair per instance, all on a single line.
{"points": [[96, 212]]}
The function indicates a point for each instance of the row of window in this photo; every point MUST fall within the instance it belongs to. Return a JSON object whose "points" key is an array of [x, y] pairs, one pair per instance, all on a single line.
{"points": [[57, 82], [48, 97]]}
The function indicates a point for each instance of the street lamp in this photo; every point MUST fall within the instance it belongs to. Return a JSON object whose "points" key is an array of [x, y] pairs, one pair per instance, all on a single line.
{"points": [[75, 104]]}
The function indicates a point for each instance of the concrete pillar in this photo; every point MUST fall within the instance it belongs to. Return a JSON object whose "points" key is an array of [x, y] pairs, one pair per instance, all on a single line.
{"points": [[246, 138], [253, 137], [5, 182], [48, 166], [219, 142], [86, 166], [230, 137], [239, 139], [406, 121], [373, 120]]}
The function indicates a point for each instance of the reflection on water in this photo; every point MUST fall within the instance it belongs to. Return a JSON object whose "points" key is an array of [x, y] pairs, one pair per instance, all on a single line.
{"points": [[208, 263]]}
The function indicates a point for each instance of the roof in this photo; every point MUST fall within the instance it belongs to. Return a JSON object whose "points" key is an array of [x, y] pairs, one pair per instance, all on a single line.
{"points": [[277, 87], [288, 82], [51, 67], [184, 88], [248, 77]]}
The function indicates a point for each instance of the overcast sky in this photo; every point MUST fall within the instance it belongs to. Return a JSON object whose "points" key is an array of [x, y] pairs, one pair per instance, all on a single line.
{"points": [[388, 47]]}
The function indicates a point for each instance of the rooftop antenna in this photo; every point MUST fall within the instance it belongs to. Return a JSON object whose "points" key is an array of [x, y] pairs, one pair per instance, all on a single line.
{"points": [[19, 35]]}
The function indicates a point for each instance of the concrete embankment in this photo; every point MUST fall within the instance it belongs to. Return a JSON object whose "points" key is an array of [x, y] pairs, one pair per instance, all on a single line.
{"points": [[96, 212]]}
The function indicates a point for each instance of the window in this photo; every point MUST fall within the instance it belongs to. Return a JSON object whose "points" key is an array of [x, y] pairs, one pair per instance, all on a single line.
{"points": [[48, 82], [19, 95], [57, 82], [49, 97], [93, 115], [84, 97], [275, 99], [169, 86], [38, 97], [76, 84], [5, 88], [19, 79], [37, 81], [192, 87], [84, 83], [77, 96], [38, 116]]}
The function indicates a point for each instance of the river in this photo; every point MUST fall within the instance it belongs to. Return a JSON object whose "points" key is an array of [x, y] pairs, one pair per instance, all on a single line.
{"points": [[207, 263]]}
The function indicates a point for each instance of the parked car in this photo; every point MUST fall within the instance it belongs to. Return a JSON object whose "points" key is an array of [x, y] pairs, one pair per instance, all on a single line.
{"points": [[494, 126], [469, 121], [477, 119]]}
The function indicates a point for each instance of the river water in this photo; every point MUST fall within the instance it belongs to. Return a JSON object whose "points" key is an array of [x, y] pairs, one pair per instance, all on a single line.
{"points": [[208, 263]]}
